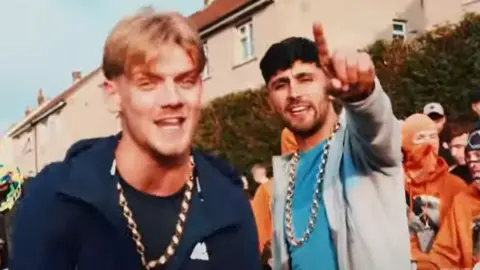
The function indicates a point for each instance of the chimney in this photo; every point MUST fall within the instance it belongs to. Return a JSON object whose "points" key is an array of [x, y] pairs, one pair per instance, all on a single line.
{"points": [[207, 2], [40, 97], [147, 9], [27, 111], [76, 76]]}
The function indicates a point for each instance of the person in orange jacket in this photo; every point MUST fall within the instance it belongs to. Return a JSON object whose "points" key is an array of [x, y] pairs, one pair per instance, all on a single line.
{"points": [[288, 143], [458, 242], [429, 186], [261, 205]]}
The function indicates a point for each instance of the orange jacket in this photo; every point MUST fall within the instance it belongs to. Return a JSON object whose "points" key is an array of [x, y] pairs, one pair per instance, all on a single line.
{"points": [[429, 185], [263, 216], [287, 142], [454, 247], [440, 189]]}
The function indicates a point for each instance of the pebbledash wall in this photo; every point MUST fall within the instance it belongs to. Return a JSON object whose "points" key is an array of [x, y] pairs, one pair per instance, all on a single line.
{"points": [[236, 33]]}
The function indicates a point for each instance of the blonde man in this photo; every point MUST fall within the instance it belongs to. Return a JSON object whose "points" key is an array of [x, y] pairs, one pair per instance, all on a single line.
{"points": [[141, 199]]}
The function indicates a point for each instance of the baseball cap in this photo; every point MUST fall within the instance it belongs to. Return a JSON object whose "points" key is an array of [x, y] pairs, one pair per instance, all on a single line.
{"points": [[433, 107]]}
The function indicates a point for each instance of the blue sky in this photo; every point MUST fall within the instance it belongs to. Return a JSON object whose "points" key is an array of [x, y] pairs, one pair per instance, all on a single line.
{"points": [[43, 41]]}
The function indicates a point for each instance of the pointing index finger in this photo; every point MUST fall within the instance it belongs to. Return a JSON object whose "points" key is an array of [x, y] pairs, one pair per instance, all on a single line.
{"points": [[321, 42], [322, 48]]}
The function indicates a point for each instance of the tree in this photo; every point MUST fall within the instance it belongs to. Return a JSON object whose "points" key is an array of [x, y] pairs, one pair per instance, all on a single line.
{"points": [[241, 128], [439, 66]]}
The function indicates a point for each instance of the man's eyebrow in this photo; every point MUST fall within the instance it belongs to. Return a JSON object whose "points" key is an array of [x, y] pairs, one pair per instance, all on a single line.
{"points": [[303, 74], [188, 73], [281, 79]]}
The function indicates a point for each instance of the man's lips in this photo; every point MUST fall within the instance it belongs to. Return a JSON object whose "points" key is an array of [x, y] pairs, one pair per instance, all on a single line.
{"points": [[297, 109], [170, 122]]}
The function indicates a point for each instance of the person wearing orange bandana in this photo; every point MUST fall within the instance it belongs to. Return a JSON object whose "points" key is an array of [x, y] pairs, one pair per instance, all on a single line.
{"points": [[429, 186], [458, 242]]}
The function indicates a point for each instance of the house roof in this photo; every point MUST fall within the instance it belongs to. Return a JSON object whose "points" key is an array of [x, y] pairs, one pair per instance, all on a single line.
{"points": [[67, 93], [216, 11], [50, 104]]}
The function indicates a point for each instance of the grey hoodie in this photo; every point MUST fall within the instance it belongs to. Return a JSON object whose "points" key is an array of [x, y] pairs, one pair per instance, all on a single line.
{"points": [[366, 214]]}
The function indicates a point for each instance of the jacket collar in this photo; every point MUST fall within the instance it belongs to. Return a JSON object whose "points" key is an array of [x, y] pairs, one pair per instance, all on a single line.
{"points": [[213, 206]]}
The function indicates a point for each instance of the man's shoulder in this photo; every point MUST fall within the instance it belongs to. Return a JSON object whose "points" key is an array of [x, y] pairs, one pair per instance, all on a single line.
{"points": [[456, 183], [40, 199], [466, 196], [83, 158], [221, 166], [48, 179]]}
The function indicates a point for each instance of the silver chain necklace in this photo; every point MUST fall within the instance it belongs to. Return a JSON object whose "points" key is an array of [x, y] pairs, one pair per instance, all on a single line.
{"points": [[315, 202]]}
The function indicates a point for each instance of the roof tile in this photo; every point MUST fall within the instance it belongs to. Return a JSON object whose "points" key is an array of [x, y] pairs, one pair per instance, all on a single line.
{"points": [[215, 11]]}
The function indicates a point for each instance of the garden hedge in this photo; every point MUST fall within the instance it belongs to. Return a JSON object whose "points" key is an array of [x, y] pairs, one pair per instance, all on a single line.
{"points": [[441, 65]]}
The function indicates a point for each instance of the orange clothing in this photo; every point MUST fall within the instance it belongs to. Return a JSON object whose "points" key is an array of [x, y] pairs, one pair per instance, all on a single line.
{"points": [[457, 245], [261, 205], [429, 187], [287, 142], [435, 195]]}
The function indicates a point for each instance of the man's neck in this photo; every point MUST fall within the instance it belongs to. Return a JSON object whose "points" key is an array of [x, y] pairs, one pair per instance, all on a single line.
{"points": [[322, 133], [149, 174], [263, 180]]}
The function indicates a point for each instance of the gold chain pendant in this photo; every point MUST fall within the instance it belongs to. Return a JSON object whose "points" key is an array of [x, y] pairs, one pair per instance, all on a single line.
{"points": [[179, 228]]}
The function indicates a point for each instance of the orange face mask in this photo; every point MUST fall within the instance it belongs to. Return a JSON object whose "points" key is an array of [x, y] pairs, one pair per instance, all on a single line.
{"points": [[420, 157], [417, 155]]}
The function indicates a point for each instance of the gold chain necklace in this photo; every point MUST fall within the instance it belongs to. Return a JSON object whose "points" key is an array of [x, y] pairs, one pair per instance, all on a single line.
{"points": [[290, 188], [179, 227]]}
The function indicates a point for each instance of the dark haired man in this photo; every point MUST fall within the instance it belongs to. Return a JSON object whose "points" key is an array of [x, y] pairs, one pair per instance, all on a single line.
{"points": [[338, 201], [457, 145]]}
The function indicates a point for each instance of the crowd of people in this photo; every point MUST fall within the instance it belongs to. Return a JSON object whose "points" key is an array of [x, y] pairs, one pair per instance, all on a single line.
{"points": [[442, 188]]}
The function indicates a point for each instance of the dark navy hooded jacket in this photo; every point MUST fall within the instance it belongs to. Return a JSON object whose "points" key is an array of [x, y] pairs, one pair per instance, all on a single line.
{"points": [[69, 218]]}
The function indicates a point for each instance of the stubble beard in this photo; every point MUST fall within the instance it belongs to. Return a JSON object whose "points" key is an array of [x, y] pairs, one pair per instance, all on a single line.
{"points": [[319, 119]]}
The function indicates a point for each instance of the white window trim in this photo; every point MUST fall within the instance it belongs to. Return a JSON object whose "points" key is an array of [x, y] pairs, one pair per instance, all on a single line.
{"points": [[248, 26], [469, 2], [401, 33], [206, 68]]}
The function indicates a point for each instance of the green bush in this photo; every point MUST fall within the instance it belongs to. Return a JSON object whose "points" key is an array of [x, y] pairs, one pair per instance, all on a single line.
{"points": [[441, 65], [241, 128]]}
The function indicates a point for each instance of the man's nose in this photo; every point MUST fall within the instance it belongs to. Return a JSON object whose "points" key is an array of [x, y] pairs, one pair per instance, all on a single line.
{"points": [[170, 95], [294, 90]]}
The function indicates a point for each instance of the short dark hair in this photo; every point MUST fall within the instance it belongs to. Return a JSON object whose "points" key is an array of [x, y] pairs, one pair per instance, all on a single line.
{"points": [[281, 56], [460, 128]]}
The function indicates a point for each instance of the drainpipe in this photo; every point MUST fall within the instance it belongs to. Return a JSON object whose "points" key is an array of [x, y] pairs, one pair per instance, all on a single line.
{"points": [[35, 147]]}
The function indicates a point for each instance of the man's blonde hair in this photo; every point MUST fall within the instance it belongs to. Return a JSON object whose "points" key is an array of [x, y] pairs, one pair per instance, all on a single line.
{"points": [[134, 42]]}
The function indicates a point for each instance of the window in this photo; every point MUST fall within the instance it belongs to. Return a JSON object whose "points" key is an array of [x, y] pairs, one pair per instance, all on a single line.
{"points": [[206, 69], [245, 44], [399, 29]]}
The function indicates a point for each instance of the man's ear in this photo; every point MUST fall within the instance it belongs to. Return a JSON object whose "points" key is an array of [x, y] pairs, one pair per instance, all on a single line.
{"points": [[112, 96], [266, 92]]}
